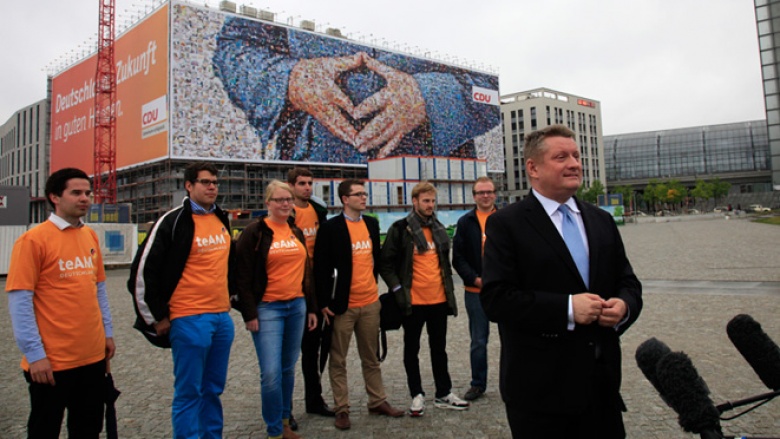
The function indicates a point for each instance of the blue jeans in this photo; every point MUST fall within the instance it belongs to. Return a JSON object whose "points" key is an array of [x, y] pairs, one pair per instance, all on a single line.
{"points": [[479, 327], [278, 344], [201, 348]]}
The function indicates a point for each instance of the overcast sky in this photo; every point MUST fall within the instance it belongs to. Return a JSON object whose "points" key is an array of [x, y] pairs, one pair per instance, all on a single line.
{"points": [[653, 64]]}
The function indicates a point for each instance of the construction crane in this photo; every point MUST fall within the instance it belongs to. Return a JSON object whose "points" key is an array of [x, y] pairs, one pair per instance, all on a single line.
{"points": [[104, 180]]}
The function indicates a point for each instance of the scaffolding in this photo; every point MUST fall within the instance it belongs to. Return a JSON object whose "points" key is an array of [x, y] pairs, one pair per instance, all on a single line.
{"points": [[155, 188]]}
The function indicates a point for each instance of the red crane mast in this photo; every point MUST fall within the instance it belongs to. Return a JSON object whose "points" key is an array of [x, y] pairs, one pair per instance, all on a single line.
{"points": [[104, 182]]}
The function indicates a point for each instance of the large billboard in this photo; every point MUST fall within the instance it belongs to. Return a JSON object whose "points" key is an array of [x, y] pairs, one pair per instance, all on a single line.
{"points": [[141, 57], [249, 90]]}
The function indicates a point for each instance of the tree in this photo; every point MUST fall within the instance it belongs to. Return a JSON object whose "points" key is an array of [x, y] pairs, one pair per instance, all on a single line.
{"points": [[650, 195], [703, 190], [661, 193], [627, 192], [676, 192], [592, 194], [720, 188]]}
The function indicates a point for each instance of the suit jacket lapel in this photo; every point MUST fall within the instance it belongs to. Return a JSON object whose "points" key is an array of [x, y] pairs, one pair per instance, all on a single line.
{"points": [[541, 222]]}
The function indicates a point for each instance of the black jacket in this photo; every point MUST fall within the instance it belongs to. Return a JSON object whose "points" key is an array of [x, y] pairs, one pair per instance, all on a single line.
{"points": [[396, 267], [251, 274], [334, 251], [467, 248], [528, 275], [164, 257]]}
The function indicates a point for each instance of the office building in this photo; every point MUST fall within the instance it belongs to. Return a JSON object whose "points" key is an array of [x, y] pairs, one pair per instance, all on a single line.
{"points": [[529, 111], [24, 154]]}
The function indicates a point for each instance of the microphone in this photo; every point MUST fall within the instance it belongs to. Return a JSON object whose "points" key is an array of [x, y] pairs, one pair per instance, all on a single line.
{"points": [[647, 356], [759, 350], [688, 394]]}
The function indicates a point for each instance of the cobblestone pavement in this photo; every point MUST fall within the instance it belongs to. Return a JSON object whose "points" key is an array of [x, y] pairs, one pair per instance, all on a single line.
{"points": [[697, 276]]}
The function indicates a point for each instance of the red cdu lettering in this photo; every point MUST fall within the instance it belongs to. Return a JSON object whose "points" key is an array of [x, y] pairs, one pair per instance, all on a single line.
{"points": [[481, 97], [149, 117]]}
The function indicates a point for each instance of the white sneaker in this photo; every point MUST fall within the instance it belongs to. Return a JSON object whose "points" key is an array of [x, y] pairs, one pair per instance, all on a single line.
{"points": [[417, 408], [451, 402]]}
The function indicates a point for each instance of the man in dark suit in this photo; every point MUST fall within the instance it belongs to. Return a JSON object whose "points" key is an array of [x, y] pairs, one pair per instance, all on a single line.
{"points": [[557, 281]]}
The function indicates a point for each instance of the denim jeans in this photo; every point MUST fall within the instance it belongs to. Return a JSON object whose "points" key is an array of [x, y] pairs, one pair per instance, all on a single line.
{"points": [[200, 345], [278, 344], [434, 318], [479, 327]]}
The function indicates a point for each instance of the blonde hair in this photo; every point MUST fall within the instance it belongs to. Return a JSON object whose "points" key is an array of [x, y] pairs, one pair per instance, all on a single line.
{"points": [[423, 186], [483, 179], [534, 142], [273, 186]]}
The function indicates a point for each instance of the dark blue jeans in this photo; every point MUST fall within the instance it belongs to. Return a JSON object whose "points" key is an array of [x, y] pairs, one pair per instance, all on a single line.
{"points": [[479, 327]]}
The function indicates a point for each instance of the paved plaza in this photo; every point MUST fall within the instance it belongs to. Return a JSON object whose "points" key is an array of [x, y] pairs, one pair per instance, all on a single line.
{"points": [[697, 275]]}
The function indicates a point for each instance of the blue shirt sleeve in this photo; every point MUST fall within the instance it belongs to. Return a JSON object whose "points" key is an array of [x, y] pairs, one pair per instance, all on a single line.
{"points": [[28, 338], [105, 310]]}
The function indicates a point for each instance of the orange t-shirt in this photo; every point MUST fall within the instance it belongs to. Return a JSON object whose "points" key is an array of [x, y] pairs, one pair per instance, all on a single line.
{"points": [[285, 265], [363, 289], [482, 218], [62, 269], [306, 219], [427, 284], [203, 287]]}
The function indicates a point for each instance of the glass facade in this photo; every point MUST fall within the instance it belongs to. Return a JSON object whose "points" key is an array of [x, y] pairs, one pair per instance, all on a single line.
{"points": [[528, 111], [704, 151], [767, 20]]}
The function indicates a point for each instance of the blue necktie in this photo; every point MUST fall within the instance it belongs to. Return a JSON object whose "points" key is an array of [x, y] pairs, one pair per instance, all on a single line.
{"points": [[573, 239]]}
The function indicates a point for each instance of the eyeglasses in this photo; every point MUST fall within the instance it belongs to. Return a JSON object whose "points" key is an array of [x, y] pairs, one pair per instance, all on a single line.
{"points": [[206, 182], [359, 194], [281, 200], [484, 193]]}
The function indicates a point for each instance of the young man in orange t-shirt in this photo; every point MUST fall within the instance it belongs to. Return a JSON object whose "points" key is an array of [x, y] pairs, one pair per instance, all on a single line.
{"points": [[467, 247], [416, 267], [182, 290], [309, 212], [60, 314], [345, 270]]}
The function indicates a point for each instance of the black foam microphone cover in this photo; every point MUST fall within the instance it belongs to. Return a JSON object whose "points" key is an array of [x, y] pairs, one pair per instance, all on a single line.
{"points": [[759, 350], [647, 356], [687, 393]]}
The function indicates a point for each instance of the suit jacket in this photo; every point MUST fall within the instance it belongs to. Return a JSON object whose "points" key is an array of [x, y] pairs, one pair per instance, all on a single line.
{"points": [[528, 275], [334, 250]]}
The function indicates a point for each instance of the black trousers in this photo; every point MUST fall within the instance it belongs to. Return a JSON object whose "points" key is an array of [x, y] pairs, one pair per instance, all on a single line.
{"points": [[310, 366], [80, 390], [434, 318], [599, 421]]}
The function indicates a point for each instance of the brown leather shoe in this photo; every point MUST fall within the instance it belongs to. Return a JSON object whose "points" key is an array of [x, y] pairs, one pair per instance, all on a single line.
{"points": [[287, 433], [386, 409], [342, 421]]}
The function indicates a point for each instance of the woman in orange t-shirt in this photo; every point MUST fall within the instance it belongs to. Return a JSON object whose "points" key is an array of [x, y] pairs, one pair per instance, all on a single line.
{"points": [[274, 284]]}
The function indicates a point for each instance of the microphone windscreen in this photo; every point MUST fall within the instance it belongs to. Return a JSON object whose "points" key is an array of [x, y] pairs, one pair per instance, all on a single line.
{"points": [[687, 393], [647, 356], [759, 350]]}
